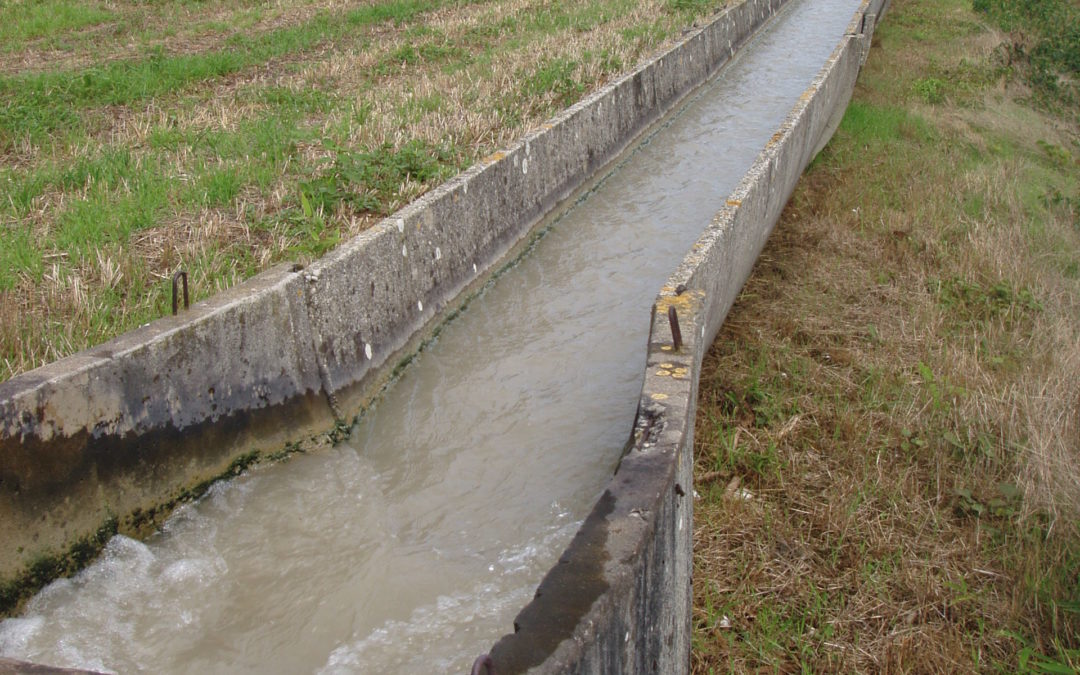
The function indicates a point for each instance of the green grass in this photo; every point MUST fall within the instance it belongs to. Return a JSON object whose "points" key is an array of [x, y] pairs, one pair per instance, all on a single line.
{"points": [[1049, 42], [24, 20], [40, 103], [119, 193], [435, 51], [554, 76], [367, 180]]}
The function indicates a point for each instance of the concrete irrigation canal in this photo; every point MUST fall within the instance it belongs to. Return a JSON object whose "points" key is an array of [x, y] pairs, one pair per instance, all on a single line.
{"points": [[497, 460]]}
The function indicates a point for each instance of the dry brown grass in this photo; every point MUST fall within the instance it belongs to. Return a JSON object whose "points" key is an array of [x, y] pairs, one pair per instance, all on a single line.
{"points": [[889, 427]]}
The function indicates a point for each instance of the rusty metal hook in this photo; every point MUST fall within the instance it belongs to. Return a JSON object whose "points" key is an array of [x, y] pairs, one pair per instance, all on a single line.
{"points": [[483, 664], [181, 275], [676, 334]]}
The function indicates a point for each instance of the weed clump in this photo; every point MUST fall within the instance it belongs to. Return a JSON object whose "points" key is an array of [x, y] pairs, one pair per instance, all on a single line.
{"points": [[366, 181], [1045, 43]]}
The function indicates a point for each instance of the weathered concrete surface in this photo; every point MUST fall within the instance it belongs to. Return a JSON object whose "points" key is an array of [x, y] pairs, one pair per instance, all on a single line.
{"points": [[125, 426], [113, 433], [620, 598]]}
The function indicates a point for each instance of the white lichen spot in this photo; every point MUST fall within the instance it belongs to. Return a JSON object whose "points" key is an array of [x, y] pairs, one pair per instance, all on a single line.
{"points": [[474, 268], [528, 148], [525, 166], [401, 225], [420, 305], [465, 188], [404, 251], [367, 350], [438, 253]]}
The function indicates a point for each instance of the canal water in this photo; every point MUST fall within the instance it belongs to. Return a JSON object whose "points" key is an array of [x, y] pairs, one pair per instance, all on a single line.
{"points": [[411, 546]]}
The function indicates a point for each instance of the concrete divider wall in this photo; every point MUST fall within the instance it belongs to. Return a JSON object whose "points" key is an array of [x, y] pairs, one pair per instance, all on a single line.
{"points": [[122, 430], [620, 598]]}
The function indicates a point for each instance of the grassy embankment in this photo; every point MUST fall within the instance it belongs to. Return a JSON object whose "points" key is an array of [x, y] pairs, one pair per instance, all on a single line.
{"points": [[888, 453], [222, 136]]}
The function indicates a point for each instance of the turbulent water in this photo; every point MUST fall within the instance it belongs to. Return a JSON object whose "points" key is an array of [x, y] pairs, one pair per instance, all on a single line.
{"points": [[411, 546]]}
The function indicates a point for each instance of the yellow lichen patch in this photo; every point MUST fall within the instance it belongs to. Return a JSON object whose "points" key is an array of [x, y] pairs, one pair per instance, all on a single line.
{"points": [[672, 370], [685, 302], [665, 348], [659, 397], [494, 157], [734, 202]]}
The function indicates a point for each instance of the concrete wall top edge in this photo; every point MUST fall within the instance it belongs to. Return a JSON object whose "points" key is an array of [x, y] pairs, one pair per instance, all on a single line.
{"points": [[138, 340], [725, 217]]}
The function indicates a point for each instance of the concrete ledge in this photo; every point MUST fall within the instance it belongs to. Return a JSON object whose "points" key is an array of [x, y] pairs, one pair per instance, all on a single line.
{"points": [[120, 431], [620, 598]]}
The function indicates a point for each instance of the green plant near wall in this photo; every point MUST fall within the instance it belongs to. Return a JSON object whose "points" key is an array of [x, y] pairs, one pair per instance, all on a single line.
{"points": [[366, 180], [1046, 42]]}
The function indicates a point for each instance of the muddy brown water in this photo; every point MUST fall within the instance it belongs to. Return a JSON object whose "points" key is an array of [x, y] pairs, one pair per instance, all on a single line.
{"points": [[411, 546]]}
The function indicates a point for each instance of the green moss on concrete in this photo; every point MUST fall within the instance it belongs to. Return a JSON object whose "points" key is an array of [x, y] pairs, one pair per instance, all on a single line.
{"points": [[48, 567]]}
